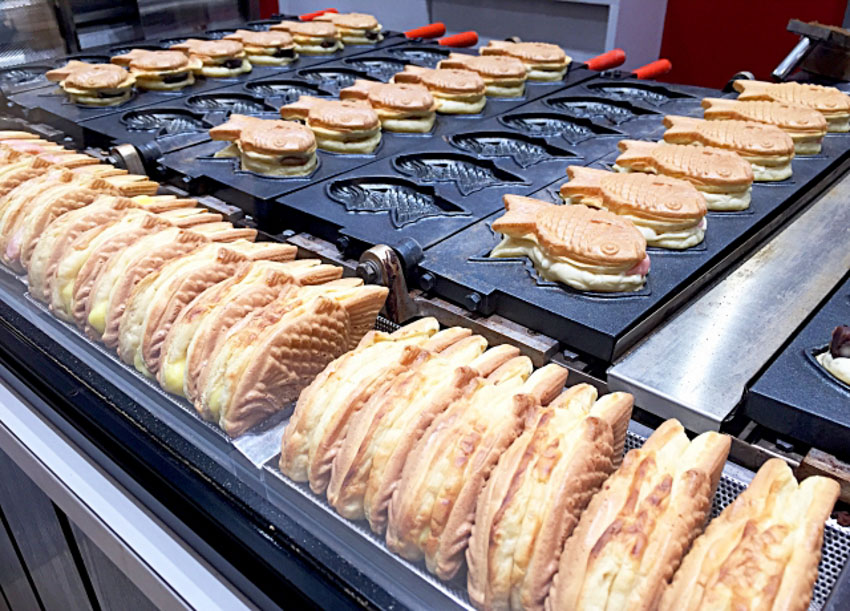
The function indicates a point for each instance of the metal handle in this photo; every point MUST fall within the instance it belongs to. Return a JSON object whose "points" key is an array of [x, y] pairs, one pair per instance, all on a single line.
{"points": [[793, 59]]}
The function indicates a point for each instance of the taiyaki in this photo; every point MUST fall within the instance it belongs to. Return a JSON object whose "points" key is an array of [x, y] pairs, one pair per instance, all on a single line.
{"points": [[585, 248], [355, 28], [829, 101], [669, 212], [456, 91], [266, 48], [768, 148], [160, 70], [312, 37], [219, 58], [94, 84], [806, 126], [504, 76], [544, 61], [836, 358], [723, 177], [400, 107], [269, 147], [341, 126]]}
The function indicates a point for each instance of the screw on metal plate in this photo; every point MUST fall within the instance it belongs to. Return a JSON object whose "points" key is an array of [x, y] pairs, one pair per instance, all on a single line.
{"points": [[472, 302], [427, 281], [381, 265]]}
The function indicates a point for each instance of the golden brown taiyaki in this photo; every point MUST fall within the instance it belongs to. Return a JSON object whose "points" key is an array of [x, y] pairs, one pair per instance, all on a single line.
{"points": [[504, 76], [829, 101], [768, 148], [723, 177], [585, 248], [400, 107], [544, 61], [312, 37], [94, 84], [669, 212], [341, 126], [456, 91], [355, 28]]}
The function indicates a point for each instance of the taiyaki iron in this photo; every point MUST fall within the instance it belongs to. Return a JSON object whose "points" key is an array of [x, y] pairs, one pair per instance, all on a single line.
{"points": [[806, 126], [585, 248], [219, 58], [268, 147], [723, 177], [400, 107], [768, 148], [544, 61], [266, 48], [160, 70], [836, 358], [832, 103], [504, 76], [670, 213], [456, 91], [341, 126], [312, 37], [355, 28], [635, 531], [94, 84]]}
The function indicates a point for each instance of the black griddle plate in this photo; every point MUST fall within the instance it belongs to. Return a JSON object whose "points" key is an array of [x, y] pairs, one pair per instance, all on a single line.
{"points": [[15, 79], [796, 396]]}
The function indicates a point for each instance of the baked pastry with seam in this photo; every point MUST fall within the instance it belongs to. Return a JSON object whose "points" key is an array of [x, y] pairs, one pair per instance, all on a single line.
{"points": [[762, 551], [806, 126], [340, 126], [204, 322], [504, 76], [268, 147], [636, 529], [536, 493], [544, 61], [723, 177], [587, 249], [160, 70], [27, 167], [768, 148], [312, 37], [400, 107], [456, 91], [670, 213], [219, 58], [836, 358], [831, 102], [93, 84], [268, 358], [381, 435], [272, 48], [355, 28], [433, 508]]}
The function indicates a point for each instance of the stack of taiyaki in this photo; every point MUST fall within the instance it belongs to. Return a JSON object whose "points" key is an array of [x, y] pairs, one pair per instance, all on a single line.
{"points": [[456, 91], [832, 103], [236, 326], [543, 61], [340, 126], [400, 107], [503, 75], [94, 84]]}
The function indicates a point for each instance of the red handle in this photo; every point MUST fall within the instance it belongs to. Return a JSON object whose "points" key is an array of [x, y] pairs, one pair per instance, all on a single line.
{"points": [[432, 30], [611, 59], [312, 16], [653, 69], [464, 39]]}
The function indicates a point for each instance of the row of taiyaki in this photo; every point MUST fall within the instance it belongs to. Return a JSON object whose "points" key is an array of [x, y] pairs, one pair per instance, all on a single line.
{"points": [[453, 450], [237, 327]]}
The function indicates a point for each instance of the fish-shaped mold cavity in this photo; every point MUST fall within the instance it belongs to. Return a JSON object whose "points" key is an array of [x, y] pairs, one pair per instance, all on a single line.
{"points": [[467, 173], [165, 122], [648, 93], [335, 78], [287, 91], [546, 124], [219, 34], [233, 102], [383, 68], [425, 56], [589, 107], [524, 150], [405, 201], [18, 76]]}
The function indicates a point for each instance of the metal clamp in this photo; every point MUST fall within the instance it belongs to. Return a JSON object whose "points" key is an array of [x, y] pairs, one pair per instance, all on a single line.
{"points": [[381, 265], [127, 156]]}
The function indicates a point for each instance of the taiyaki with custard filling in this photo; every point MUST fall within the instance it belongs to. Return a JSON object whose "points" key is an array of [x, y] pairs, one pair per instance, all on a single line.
{"points": [[768, 148], [723, 177], [543, 61], [269, 357], [669, 212], [268, 147], [832, 103], [433, 508], [636, 529], [762, 551], [94, 84], [219, 58], [456, 91], [504, 76], [368, 467], [582, 247], [312, 37], [536, 493], [160, 70], [324, 409], [24, 169], [806, 126], [355, 28], [400, 107], [266, 48], [340, 126], [205, 321], [836, 358]]}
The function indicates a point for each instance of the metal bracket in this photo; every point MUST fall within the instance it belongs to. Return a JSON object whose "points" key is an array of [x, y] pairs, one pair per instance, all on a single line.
{"points": [[381, 265], [127, 156]]}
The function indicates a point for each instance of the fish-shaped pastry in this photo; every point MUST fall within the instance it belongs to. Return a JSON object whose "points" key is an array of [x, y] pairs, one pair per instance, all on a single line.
{"points": [[806, 126], [582, 247], [768, 148], [341, 126], [456, 91], [401, 107], [723, 177], [504, 76], [544, 61], [669, 212], [832, 103]]}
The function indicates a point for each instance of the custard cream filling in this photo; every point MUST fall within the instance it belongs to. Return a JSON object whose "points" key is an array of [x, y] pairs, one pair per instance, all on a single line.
{"points": [[839, 367]]}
